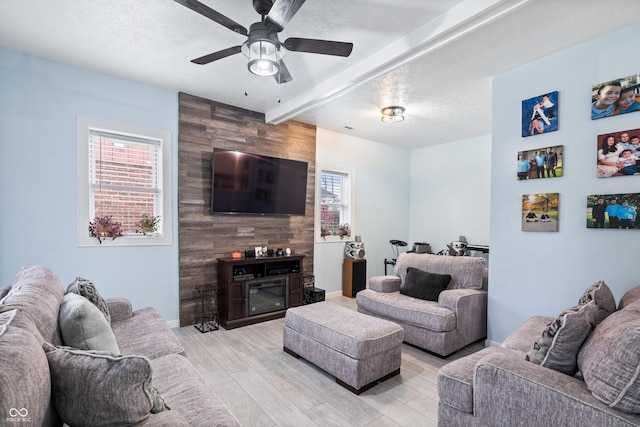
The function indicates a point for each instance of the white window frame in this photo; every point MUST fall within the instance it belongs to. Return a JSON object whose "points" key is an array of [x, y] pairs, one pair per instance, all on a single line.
{"points": [[349, 192], [84, 126]]}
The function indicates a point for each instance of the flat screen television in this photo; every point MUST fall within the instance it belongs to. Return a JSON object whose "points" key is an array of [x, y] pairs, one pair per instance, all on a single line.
{"points": [[244, 183]]}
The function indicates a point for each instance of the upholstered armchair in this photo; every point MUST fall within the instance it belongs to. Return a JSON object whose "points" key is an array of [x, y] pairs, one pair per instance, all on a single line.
{"points": [[438, 314]]}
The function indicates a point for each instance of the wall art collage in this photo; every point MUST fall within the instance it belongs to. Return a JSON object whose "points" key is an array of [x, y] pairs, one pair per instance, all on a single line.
{"points": [[617, 155]]}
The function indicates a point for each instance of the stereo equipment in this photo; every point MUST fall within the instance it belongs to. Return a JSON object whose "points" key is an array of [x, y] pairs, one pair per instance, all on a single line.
{"points": [[354, 250]]}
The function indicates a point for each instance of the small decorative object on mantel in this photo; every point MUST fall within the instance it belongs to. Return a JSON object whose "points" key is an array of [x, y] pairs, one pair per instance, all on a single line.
{"points": [[287, 251], [236, 254], [342, 231], [148, 224], [103, 226]]}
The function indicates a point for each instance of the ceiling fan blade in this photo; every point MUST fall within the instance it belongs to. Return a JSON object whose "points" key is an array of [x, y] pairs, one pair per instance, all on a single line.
{"points": [[281, 13], [282, 76], [323, 47], [216, 55], [204, 10]]}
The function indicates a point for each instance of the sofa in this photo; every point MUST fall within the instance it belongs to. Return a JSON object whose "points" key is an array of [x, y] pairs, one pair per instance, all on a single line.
{"points": [[440, 301], [580, 368], [46, 382]]}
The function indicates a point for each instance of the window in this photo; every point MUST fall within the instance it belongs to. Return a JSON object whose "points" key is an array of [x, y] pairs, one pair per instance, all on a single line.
{"points": [[123, 172], [334, 210]]}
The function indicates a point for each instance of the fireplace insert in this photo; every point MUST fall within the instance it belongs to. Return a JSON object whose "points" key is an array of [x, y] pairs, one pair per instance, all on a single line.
{"points": [[267, 295]]}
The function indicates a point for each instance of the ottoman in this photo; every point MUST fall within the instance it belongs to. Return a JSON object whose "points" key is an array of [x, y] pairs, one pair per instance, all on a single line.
{"points": [[359, 350]]}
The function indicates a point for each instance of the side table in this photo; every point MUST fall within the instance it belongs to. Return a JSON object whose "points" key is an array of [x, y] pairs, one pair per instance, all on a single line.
{"points": [[209, 316]]}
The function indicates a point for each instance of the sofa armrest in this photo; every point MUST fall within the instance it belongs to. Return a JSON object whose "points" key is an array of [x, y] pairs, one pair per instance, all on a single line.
{"points": [[119, 308], [508, 390], [384, 284], [454, 298]]}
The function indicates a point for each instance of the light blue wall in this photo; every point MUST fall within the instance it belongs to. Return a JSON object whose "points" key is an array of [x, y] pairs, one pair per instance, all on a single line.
{"points": [[382, 202], [39, 103], [543, 273], [450, 193]]}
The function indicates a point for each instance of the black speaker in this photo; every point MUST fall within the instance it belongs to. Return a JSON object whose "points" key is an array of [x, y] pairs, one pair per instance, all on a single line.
{"points": [[250, 254], [318, 295], [354, 276]]}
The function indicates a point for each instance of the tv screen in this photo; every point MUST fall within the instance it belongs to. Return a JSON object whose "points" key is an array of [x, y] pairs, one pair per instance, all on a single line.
{"points": [[246, 183]]}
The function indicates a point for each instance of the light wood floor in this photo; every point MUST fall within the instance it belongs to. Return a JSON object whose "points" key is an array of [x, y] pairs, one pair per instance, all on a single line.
{"points": [[264, 386]]}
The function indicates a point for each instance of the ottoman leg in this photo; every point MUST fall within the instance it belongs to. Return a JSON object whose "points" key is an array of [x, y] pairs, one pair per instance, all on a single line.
{"points": [[291, 352], [367, 386]]}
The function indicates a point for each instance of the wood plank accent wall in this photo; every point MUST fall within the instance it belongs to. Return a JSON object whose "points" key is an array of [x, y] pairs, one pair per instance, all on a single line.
{"points": [[203, 236]]}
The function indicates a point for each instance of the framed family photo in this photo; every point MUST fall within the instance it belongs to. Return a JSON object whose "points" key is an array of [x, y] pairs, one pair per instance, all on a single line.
{"points": [[618, 153], [540, 114], [540, 212], [613, 211], [615, 97], [545, 162]]}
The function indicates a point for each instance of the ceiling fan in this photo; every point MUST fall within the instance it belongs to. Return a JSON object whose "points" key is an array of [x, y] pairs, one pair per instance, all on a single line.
{"points": [[262, 47]]}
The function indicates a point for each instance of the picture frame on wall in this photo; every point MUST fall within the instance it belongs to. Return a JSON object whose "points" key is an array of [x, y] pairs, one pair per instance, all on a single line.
{"points": [[544, 162], [617, 211], [618, 153], [615, 97], [540, 114], [540, 212]]}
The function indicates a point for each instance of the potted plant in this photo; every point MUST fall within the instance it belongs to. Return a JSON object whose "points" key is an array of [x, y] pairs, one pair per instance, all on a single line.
{"points": [[342, 231], [103, 226], [148, 224]]}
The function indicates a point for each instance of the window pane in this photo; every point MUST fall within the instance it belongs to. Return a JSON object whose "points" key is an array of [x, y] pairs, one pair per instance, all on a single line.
{"points": [[331, 207], [124, 177]]}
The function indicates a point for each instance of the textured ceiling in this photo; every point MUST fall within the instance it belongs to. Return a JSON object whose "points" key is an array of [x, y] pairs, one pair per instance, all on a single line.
{"points": [[435, 58]]}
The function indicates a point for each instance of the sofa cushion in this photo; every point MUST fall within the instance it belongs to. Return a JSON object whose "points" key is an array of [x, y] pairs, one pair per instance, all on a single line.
{"points": [[466, 272], [25, 383], [186, 392], [601, 295], [561, 340], [98, 389], [630, 296], [146, 333], [83, 326], [88, 290], [36, 293], [4, 290], [393, 305], [610, 361], [424, 285]]}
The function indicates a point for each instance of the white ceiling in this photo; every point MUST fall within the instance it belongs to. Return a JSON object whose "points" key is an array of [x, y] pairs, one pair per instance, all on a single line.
{"points": [[436, 58]]}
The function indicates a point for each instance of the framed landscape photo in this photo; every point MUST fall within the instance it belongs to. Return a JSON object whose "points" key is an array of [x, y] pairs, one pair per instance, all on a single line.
{"points": [[540, 114], [544, 162], [613, 211], [540, 212], [615, 97], [618, 153]]}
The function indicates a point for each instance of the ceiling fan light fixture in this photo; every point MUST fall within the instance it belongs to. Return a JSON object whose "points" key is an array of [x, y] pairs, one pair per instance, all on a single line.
{"points": [[263, 50], [393, 114]]}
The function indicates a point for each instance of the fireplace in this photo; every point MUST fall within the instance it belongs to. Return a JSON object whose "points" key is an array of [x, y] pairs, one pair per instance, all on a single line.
{"points": [[267, 295]]}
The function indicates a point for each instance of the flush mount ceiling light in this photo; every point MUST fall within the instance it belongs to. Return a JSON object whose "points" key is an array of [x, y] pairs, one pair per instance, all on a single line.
{"points": [[393, 114], [263, 50]]}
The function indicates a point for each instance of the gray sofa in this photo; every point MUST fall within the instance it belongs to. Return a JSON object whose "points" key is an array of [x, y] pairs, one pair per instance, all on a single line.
{"points": [[40, 379], [455, 318], [588, 375]]}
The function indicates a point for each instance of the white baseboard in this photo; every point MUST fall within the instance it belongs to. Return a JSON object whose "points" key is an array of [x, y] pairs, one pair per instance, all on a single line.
{"points": [[173, 323], [489, 343]]}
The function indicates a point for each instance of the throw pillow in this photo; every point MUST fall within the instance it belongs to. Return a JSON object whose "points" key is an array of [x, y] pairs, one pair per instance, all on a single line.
{"points": [[84, 327], [561, 340], [600, 293], [424, 285], [610, 361], [97, 389], [88, 290]]}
